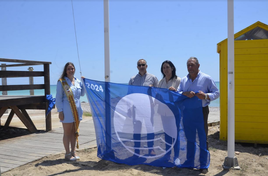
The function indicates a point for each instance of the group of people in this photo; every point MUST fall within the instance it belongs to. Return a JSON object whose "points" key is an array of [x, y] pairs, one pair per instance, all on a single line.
{"points": [[69, 90], [196, 83]]}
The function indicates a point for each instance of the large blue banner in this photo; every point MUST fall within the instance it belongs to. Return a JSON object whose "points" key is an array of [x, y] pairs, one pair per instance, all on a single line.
{"points": [[147, 125]]}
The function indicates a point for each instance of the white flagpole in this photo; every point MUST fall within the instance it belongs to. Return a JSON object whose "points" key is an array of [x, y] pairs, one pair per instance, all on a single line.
{"points": [[107, 77], [231, 83], [231, 160], [106, 40]]}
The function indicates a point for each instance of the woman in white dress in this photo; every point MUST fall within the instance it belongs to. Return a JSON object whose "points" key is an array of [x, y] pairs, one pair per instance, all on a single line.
{"points": [[169, 81]]}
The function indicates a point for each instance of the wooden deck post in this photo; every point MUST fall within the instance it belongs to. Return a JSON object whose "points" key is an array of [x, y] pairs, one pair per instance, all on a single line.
{"points": [[47, 92], [4, 80], [31, 81], [4, 83]]}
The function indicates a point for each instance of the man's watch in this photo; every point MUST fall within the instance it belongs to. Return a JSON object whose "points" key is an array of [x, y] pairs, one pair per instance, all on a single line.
{"points": [[206, 96]]}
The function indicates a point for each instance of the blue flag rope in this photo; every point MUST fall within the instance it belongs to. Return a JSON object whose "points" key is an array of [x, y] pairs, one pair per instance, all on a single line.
{"points": [[146, 125]]}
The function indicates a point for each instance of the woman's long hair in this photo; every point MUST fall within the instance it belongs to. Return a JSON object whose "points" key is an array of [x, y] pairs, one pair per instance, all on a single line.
{"points": [[64, 74], [172, 66]]}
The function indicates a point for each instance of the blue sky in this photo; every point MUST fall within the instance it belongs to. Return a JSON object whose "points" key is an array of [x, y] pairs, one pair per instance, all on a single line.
{"points": [[155, 30]]}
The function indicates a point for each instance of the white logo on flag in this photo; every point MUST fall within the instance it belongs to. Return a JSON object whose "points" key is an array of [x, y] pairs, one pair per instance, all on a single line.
{"points": [[142, 114]]}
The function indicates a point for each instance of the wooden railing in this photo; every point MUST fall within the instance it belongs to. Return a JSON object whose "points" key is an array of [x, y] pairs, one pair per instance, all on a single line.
{"points": [[24, 102]]}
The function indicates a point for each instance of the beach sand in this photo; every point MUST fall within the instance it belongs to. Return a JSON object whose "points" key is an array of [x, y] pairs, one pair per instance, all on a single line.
{"points": [[252, 160]]}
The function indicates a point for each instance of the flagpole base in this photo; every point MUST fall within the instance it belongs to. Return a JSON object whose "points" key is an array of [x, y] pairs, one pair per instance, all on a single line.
{"points": [[230, 163]]}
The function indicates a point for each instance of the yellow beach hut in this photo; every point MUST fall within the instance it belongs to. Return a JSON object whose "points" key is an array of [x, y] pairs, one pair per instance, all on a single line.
{"points": [[251, 85]]}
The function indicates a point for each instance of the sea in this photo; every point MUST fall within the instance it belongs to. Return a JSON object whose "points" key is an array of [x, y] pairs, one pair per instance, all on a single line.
{"points": [[214, 103]]}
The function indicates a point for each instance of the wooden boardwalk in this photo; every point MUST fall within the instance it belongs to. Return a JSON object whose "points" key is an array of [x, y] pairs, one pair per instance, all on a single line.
{"points": [[18, 151]]}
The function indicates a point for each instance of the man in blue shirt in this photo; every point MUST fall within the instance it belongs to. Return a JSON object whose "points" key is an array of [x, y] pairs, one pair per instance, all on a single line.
{"points": [[201, 85]]}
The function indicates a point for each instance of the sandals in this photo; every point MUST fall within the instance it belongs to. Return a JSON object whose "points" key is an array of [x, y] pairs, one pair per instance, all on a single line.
{"points": [[75, 156], [70, 157]]}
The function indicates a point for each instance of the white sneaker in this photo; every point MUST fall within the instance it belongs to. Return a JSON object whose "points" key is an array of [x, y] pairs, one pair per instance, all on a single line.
{"points": [[69, 157], [177, 161], [76, 157]]}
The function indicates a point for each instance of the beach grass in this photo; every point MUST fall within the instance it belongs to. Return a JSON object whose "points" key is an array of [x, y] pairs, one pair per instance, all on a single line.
{"points": [[87, 114]]}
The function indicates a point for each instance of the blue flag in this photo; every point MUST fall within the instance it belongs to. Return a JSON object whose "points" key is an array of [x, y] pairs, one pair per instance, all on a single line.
{"points": [[147, 125]]}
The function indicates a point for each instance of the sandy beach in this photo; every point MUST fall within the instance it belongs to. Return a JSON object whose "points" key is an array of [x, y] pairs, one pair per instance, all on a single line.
{"points": [[252, 160]]}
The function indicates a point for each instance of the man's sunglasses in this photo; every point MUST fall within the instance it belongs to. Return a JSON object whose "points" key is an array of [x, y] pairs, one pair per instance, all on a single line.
{"points": [[139, 65]]}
